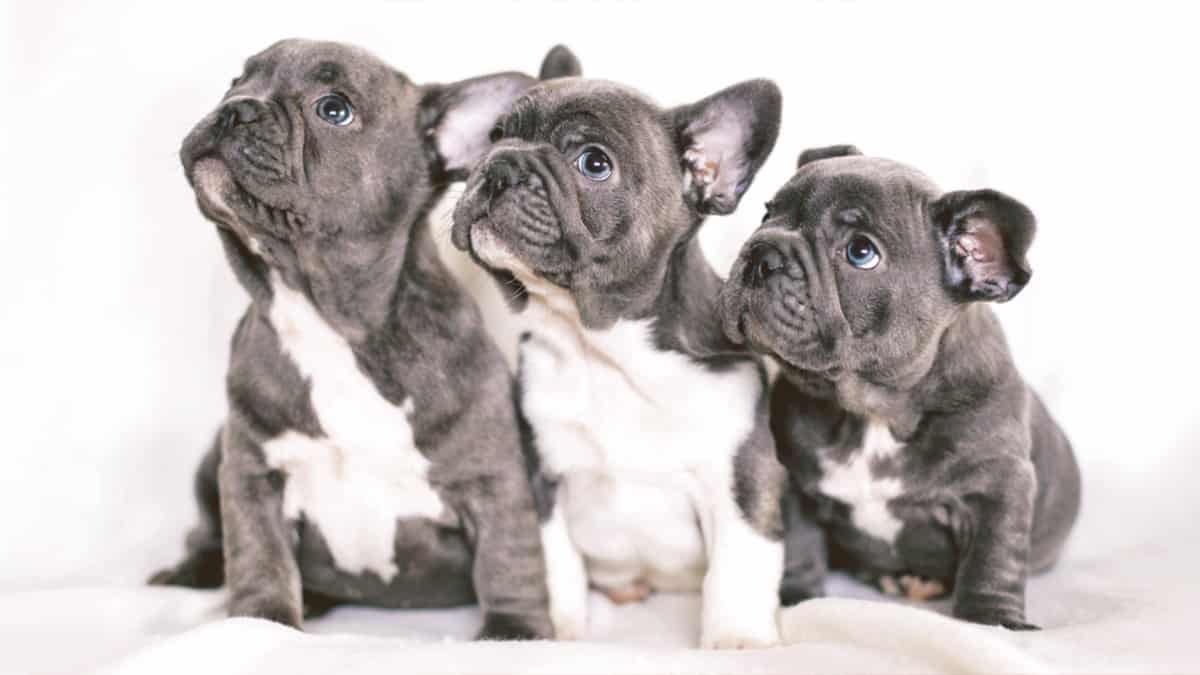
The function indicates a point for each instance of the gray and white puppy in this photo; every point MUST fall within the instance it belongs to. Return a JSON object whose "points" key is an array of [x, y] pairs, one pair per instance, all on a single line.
{"points": [[647, 427], [899, 412], [371, 452]]}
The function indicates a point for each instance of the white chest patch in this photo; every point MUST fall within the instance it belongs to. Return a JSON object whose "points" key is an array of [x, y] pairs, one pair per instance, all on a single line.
{"points": [[852, 482], [630, 427], [366, 472]]}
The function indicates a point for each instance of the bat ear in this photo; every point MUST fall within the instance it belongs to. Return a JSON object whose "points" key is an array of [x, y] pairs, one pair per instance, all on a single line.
{"points": [[560, 62], [816, 154], [458, 118], [985, 236], [723, 140]]}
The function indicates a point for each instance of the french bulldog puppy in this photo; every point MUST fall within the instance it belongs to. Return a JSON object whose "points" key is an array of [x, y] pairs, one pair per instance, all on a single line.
{"points": [[371, 453], [898, 411], [646, 428]]}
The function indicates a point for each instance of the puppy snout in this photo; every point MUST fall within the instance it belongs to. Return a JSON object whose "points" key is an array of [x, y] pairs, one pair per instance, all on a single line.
{"points": [[243, 110], [501, 175], [766, 260]]}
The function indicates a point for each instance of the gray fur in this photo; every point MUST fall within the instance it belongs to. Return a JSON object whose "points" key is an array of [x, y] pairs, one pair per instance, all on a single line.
{"points": [[626, 249], [341, 216], [991, 488]]}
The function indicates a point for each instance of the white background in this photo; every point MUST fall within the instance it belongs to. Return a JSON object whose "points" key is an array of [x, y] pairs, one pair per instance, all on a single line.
{"points": [[116, 304]]}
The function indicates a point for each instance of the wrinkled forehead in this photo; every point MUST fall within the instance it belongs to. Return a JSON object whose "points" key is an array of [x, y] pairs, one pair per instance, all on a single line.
{"points": [[600, 104], [309, 63], [843, 182]]}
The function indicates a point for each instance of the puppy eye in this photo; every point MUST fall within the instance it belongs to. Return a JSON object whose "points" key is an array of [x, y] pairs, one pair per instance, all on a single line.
{"points": [[594, 164], [861, 253], [335, 109], [496, 134]]}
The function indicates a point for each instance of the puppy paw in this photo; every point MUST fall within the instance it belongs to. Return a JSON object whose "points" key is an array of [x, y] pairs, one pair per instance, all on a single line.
{"points": [[271, 609], [740, 636], [500, 626], [921, 589], [317, 605], [204, 569], [569, 625], [992, 616], [889, 585], [794, 594], [636, 591]]}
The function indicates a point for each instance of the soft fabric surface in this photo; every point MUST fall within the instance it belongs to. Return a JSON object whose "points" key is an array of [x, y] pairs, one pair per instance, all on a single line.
{"points": [[117, 307], [1099, 616]]}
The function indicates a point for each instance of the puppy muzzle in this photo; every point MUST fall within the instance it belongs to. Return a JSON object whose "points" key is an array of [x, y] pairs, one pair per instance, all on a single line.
{"points": [[236, 161], [509, 201], [767, 300]]}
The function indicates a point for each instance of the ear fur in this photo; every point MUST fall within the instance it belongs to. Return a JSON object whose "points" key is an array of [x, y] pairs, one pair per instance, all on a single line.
{"points": [[560, 62], [985, 237], [457, 119], [827, 152], [724, 139]]}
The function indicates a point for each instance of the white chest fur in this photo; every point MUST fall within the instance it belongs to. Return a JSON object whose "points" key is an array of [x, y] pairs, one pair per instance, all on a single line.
{"points": [[629, 426], [365, 472], [853, 482]]}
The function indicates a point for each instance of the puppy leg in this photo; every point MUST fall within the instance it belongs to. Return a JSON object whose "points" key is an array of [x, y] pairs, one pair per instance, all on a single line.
{"points": [[509, 569], [745, 561], [990, 583], [566, 577], [203, 565], [260, 566], [805, 565]]}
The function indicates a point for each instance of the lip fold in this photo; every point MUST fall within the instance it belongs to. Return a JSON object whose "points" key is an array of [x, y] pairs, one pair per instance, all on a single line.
{"points": [[213, 184]]}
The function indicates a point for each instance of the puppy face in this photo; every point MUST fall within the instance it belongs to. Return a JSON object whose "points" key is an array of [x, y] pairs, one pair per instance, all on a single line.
{"points": [[589, 186], [320, 145], [861, 262]]}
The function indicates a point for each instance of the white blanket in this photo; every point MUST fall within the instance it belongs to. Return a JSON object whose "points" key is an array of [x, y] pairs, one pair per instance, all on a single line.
{"points": [[1123, 614]]}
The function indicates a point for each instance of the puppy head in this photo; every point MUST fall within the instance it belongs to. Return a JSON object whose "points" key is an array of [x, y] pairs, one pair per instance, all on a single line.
{"points": [[861, 262], [321, 147], [590, 185]]}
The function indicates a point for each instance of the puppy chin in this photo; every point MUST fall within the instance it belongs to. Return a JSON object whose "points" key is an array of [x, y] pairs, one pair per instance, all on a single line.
{"points": [[213, 183], [492, 250], [792, 351]]}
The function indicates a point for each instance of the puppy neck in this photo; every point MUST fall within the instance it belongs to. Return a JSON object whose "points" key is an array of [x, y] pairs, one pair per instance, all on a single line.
{"points": [[968, 362], [688, 309]]}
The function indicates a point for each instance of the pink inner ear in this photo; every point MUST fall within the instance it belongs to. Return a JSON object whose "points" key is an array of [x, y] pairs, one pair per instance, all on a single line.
{"points": [[704, 170], [979, 241]]}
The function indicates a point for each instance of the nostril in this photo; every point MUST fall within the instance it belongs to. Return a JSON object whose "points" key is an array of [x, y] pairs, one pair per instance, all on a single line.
{"points": [[764, 263], [501, 175], [241, 111], [246, 112], [224, 121]]}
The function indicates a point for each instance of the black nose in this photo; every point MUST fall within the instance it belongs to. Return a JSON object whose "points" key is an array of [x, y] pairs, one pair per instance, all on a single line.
{"points": [[240, 111], [765, 261], [501, 175]]}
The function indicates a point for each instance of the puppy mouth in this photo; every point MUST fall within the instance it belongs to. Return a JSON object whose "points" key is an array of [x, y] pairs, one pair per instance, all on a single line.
{"points": [[513, 232], [776, 316], [489, 252], [232, 206]]}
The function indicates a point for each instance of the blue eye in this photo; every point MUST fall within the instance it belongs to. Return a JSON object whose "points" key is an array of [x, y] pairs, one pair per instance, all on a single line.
{"points": [[861, 253], [335, 109], [594, 164]]}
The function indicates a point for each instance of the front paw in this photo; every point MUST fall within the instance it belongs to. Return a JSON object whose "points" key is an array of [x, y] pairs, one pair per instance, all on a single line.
{"points": [[270, 608], [569, 623], [1009, 618], [791, 594], [742, 634], [498, 626]]}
